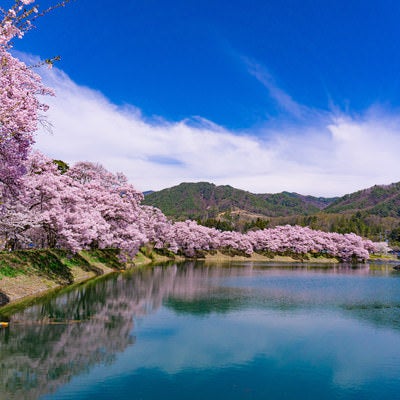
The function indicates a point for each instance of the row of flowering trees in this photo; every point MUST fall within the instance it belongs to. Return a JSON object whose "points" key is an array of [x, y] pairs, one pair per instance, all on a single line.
{"points": [[86, 206], [190, 239], [90, 207]]}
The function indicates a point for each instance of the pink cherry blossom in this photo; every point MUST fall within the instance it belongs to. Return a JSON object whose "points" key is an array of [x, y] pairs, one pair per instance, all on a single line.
{"points": [[20, 106]]}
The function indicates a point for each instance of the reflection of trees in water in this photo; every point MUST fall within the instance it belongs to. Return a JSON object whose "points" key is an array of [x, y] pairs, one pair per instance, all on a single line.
{"points": [[47, 344], [358, 301]]}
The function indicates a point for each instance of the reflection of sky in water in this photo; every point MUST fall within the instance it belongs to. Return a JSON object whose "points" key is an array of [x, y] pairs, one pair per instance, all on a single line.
{"points": [[281, 334], [327, 349]]}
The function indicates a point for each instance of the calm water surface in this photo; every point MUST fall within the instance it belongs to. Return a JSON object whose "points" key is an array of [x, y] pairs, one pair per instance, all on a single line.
{"points": [[210, 332]]}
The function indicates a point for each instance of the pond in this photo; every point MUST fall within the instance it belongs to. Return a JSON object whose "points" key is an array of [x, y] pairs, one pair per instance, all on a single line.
{"points": [[208, 331]]}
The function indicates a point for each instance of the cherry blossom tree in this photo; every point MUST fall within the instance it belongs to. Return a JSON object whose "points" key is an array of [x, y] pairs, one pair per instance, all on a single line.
{"points": [[116, 202], [155, 226], [85, 207], [62, 217], [20, 88], [188, 238], [16, 220]]}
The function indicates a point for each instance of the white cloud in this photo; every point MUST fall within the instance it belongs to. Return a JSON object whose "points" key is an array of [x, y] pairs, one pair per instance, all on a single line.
{"points": [[325, 156], [283, 99]]}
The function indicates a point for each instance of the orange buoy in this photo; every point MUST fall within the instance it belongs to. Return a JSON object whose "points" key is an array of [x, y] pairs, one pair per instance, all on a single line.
{"points": [[4, 324]]}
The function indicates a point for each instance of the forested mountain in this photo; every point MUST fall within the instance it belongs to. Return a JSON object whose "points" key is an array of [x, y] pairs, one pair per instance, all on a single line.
{"points": [[381, 200], [205, 200], [372, 212]]}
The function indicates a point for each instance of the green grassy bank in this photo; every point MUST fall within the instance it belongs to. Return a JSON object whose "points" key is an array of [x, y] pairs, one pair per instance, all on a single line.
{"points": [[31, 272], [26, 273]]}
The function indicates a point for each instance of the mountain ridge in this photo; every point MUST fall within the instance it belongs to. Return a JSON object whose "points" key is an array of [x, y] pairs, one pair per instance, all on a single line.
{"points": [[373, 212], [197, 200], [382, 200]]}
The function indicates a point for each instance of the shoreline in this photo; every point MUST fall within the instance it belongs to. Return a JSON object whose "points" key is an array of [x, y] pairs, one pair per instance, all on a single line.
{"points": [[23, 281], [26, 281], [220, 257]]}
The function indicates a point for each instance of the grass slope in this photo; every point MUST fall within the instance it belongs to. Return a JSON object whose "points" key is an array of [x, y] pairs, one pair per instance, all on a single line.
{"points": [[28, 272]]}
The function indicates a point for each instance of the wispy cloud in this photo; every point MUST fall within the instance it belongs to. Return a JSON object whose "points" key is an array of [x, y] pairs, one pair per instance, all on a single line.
{"points": [[332, 155], [283, 99]]}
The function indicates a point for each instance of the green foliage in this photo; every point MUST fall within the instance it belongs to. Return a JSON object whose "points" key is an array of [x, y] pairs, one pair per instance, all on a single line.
{"points": [[218, 224], [7, 270], [206, 201], [394, 236], [108, 257], [62, 166], [49, 264], [259, 223]]}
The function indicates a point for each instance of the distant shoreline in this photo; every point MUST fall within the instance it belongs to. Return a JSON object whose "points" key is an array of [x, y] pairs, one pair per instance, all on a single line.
{"points": [[218, 256]]}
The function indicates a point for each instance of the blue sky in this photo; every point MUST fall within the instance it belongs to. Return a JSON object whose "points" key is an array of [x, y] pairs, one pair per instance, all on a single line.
{"points": [[297, 81]]}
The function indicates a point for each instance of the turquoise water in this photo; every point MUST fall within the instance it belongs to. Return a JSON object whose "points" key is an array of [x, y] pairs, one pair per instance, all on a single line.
{"points": [[210, 332]]}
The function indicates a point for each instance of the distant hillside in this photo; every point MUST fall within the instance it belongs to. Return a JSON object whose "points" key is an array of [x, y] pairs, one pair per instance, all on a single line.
{"points": [[380, 200], [205, 200], [372, 212], [286, 203]]}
